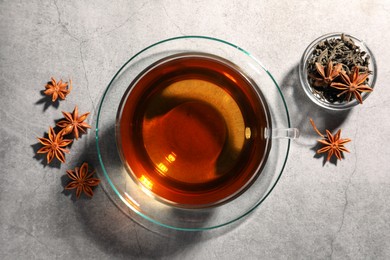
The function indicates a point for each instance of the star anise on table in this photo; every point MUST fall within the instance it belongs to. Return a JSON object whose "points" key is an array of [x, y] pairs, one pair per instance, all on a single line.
{"points": [[353, 84], [326, 76], [82, 181], [333, 144], [57, 89], [74, 123], [54, 146]]}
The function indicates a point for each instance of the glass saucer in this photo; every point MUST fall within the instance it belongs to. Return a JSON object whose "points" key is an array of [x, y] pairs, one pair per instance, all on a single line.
{"points": [[131, 197]]}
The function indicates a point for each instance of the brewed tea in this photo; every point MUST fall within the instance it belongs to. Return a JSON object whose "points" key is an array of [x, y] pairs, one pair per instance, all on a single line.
{"points": [[191, 130]]}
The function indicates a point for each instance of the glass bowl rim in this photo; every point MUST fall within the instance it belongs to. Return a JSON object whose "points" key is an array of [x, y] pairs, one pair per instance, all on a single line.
{"points": [[303, 75], [99, 155]]}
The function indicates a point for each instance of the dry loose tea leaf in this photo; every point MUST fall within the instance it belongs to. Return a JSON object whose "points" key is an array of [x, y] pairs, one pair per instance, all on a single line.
{"points": [[74, 123], [58, 89], [333, 144], [82, 181]]}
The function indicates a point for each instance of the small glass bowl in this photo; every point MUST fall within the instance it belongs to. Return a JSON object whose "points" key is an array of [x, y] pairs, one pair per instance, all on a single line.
{"points": [[315, 96]]}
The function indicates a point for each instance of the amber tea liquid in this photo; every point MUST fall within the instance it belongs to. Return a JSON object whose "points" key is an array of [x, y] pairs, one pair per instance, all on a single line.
{"points": [[191, 130]]}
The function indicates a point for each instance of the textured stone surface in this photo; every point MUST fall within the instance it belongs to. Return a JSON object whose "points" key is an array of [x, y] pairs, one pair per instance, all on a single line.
{"points": [[316, 211]]}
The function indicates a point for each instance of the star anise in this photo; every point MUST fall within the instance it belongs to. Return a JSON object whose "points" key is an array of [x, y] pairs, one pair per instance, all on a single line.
{"points": [[326, 76], [333, 143], [54, 146], [82, 180], [57, 89], [73, 122], [353, 84]]}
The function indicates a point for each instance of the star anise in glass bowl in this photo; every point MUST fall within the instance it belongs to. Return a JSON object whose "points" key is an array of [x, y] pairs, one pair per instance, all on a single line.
{"points": [[353, 84]]}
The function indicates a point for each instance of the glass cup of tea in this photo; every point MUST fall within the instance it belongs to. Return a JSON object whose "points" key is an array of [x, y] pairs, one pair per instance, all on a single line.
{"points": [[193, 133]]}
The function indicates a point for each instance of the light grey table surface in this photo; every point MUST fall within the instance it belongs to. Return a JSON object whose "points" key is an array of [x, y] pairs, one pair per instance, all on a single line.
{"points": [[316, 211]]}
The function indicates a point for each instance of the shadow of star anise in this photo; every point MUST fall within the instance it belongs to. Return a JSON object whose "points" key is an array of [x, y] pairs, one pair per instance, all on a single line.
{"points": [[82, 181]]}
